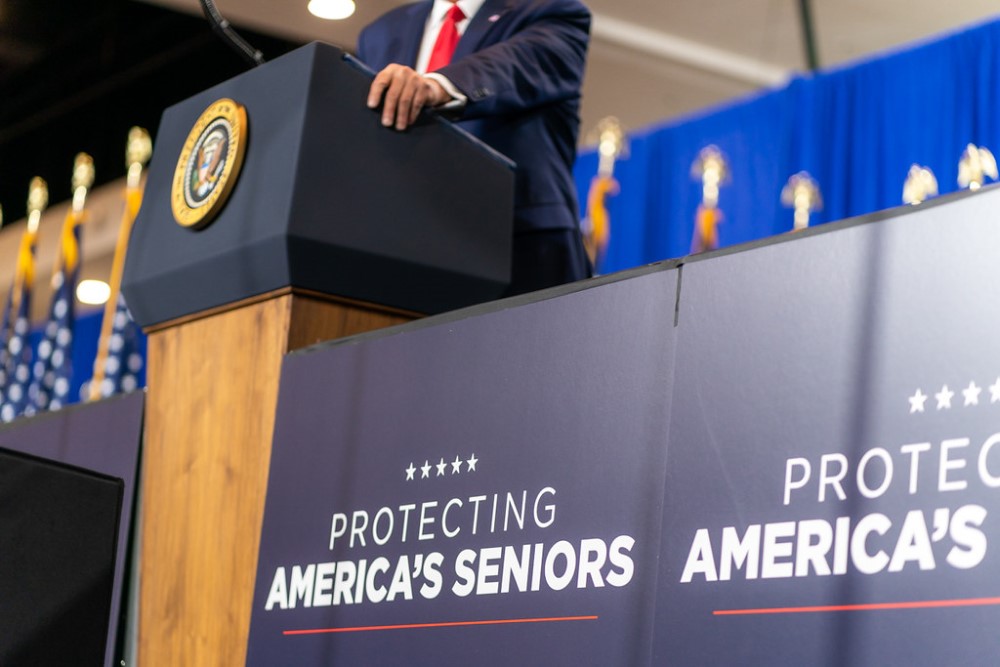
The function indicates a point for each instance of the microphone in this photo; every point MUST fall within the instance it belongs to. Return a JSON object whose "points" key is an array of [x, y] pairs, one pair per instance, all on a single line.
{"points": [[222, 27]]}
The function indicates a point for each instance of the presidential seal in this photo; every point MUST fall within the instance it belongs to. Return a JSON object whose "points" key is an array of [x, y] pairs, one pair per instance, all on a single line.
{"points": [[209, 164]]}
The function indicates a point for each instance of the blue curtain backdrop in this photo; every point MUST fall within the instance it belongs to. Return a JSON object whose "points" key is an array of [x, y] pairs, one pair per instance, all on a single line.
{"points": [[855, 129]]}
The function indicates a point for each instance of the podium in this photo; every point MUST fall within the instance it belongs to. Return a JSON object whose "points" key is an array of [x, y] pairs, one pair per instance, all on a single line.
{"points": [[335, 225]]}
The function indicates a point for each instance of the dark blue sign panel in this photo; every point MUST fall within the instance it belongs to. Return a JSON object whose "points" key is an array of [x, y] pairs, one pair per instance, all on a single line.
{"points": [[103, 437], [801, 468], [483, 491], [834, 450]]}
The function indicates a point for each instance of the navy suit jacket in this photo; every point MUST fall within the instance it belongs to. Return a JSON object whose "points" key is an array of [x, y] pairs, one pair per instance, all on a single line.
{"points": [[520, 63]]}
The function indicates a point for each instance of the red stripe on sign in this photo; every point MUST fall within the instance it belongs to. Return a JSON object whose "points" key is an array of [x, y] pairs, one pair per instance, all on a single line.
{"points": [[878, 606], [451, 624]]}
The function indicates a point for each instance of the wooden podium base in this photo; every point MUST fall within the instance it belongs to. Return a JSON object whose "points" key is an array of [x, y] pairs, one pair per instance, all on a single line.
{"points": [[213, 390]]}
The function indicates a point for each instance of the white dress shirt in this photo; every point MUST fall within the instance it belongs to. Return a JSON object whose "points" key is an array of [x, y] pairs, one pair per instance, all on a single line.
{"points": [[431, 30]]}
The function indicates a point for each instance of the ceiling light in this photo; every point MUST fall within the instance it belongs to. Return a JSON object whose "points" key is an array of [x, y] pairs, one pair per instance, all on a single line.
{"points": [[331, 9], [93, 292]]}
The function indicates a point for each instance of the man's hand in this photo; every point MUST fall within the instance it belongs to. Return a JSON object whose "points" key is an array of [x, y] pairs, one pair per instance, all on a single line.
{"points": [[404, 93]]}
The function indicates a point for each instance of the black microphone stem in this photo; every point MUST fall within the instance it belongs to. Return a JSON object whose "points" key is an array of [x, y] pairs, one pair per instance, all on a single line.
{"points": [[223, 29]]}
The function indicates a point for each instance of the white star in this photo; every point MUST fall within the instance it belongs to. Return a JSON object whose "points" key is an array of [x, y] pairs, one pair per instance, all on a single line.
{"points": [[971, 394], [409, 472], [917, 402], [472, 463], [456, 466], [995, 392], [425, 470], [134, 362], [441, 466], [944, 398]]}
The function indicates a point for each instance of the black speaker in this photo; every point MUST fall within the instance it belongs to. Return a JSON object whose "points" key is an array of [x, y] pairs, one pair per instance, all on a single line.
{"points": [[58, 534]]}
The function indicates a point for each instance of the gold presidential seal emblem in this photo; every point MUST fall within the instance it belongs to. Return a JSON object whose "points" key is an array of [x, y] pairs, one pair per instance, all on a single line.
{"points": [[209, 164]]}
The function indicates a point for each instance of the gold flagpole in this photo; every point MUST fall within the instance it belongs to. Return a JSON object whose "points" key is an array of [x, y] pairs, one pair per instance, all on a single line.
{"points": [[711, 168], [69, 249], [137, 153], [802, 194], [24, 275], [612, 144]]}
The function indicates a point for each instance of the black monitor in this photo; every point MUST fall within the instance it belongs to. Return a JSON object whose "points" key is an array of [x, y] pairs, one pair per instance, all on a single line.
{"points": [[58, 535]]}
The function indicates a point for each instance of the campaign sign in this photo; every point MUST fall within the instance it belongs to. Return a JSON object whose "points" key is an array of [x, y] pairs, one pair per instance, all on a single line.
{"points": [[102, 437], [474, 490], [833, 487]]}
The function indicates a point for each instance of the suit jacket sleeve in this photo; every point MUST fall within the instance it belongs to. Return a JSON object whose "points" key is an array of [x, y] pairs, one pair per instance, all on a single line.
{"points": [[538, 60], [364, 51]]}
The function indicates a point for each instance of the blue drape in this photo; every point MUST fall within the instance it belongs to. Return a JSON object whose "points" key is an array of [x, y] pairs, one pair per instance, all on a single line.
{"points": [[855, 129]]}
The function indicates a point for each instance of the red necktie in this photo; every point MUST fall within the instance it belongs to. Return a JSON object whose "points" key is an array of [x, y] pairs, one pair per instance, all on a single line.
{"points": [[447, 40]]}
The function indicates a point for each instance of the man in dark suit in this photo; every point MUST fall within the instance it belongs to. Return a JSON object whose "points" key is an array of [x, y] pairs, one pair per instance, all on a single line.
{"points": [[513, 80]]}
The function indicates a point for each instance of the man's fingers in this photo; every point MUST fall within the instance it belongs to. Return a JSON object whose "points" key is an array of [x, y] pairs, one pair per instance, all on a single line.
{"points": [[402, 93], [378, 87], [416, 92], [382, 89], [407, 98], [392, 94]]}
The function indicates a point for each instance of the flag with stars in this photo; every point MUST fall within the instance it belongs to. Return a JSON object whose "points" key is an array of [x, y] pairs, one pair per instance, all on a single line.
{"points": [[17, 350], [53, 367], [123, 365], [4, 338]]}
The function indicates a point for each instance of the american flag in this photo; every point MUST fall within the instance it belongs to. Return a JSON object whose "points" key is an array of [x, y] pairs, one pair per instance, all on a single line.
{"points": [[4, 338], [124, 362], [53, 368], [17, 351]]}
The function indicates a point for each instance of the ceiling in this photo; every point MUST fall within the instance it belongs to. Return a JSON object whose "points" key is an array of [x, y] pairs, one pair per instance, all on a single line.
{"points": [[657, 59], [77, 77]]}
